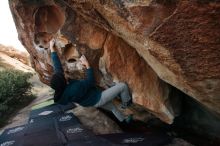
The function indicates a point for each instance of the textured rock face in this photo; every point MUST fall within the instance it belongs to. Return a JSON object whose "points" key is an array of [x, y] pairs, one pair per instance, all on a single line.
{"points": [[191, 36], [126, 65], [148, 44], [96, 121]]}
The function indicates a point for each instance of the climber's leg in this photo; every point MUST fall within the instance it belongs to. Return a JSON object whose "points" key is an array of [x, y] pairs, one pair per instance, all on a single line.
{"points": [[112, 108], [120, 89]]}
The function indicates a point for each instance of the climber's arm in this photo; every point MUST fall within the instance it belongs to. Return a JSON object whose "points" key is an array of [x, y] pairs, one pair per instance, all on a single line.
{"points": [[57, 66], [89, 80]]}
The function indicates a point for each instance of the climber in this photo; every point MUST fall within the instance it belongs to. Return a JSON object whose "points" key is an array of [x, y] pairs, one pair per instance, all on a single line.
{"points": [[84, 92]]}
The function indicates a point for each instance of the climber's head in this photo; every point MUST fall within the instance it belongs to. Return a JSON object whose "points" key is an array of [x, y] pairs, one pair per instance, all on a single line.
{"points": [[58, 83]]}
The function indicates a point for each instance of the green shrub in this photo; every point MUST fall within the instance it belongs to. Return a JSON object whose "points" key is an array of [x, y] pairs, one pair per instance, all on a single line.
{"points": [[14, 91]]}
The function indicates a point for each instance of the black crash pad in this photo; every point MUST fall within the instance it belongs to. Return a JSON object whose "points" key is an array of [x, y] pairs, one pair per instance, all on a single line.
{"points": [[17, 131], [50, 110], [138, 139], [12, 136], [93, 141], [59, 128]]}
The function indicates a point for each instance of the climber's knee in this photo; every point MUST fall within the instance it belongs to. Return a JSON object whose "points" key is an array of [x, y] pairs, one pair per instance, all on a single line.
{"points": [[122, 85]]}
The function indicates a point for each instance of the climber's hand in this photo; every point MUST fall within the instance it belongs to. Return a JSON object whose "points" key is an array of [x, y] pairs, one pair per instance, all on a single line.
{"points": [[52, 48], [84, 61]]}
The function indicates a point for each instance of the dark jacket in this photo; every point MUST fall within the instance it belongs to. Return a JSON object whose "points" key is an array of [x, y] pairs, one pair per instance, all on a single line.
{"points": [[83, 92]]}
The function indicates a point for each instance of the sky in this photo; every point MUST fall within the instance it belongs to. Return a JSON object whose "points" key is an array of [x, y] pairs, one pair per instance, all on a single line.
{"points": [[8, 32]]}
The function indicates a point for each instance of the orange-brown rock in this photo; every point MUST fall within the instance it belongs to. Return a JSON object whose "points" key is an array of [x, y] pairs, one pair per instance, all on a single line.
{"points": [[124, 64], [152, 45]]}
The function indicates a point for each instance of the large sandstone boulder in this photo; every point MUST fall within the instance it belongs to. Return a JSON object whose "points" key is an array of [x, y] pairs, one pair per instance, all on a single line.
{"points": [[152, 45]]}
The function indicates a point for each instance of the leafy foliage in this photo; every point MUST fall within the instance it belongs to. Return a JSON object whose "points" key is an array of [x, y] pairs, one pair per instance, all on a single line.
{"points": [[14, 91]]}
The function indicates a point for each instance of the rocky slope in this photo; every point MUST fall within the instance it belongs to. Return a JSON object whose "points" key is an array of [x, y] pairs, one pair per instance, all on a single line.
{"points": [[16, 54], [155, 46]]}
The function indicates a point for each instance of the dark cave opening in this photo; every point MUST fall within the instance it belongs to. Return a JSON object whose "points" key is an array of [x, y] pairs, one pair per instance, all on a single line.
{"points": [[195, 123]]}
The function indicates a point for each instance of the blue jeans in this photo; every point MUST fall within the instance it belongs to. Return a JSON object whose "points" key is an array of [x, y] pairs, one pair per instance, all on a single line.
{"points": [[105, 102]]}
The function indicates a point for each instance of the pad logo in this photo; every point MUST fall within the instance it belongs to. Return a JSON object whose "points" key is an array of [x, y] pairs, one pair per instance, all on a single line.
{"points": [[75, 130], [8, 143], [65, 118], [31, 121], [45, 113], [15, 130], [133, 140]]}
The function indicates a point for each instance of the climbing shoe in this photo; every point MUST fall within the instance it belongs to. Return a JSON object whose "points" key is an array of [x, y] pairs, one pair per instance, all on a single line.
{"points": [[128, 119], [125, 105]]}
